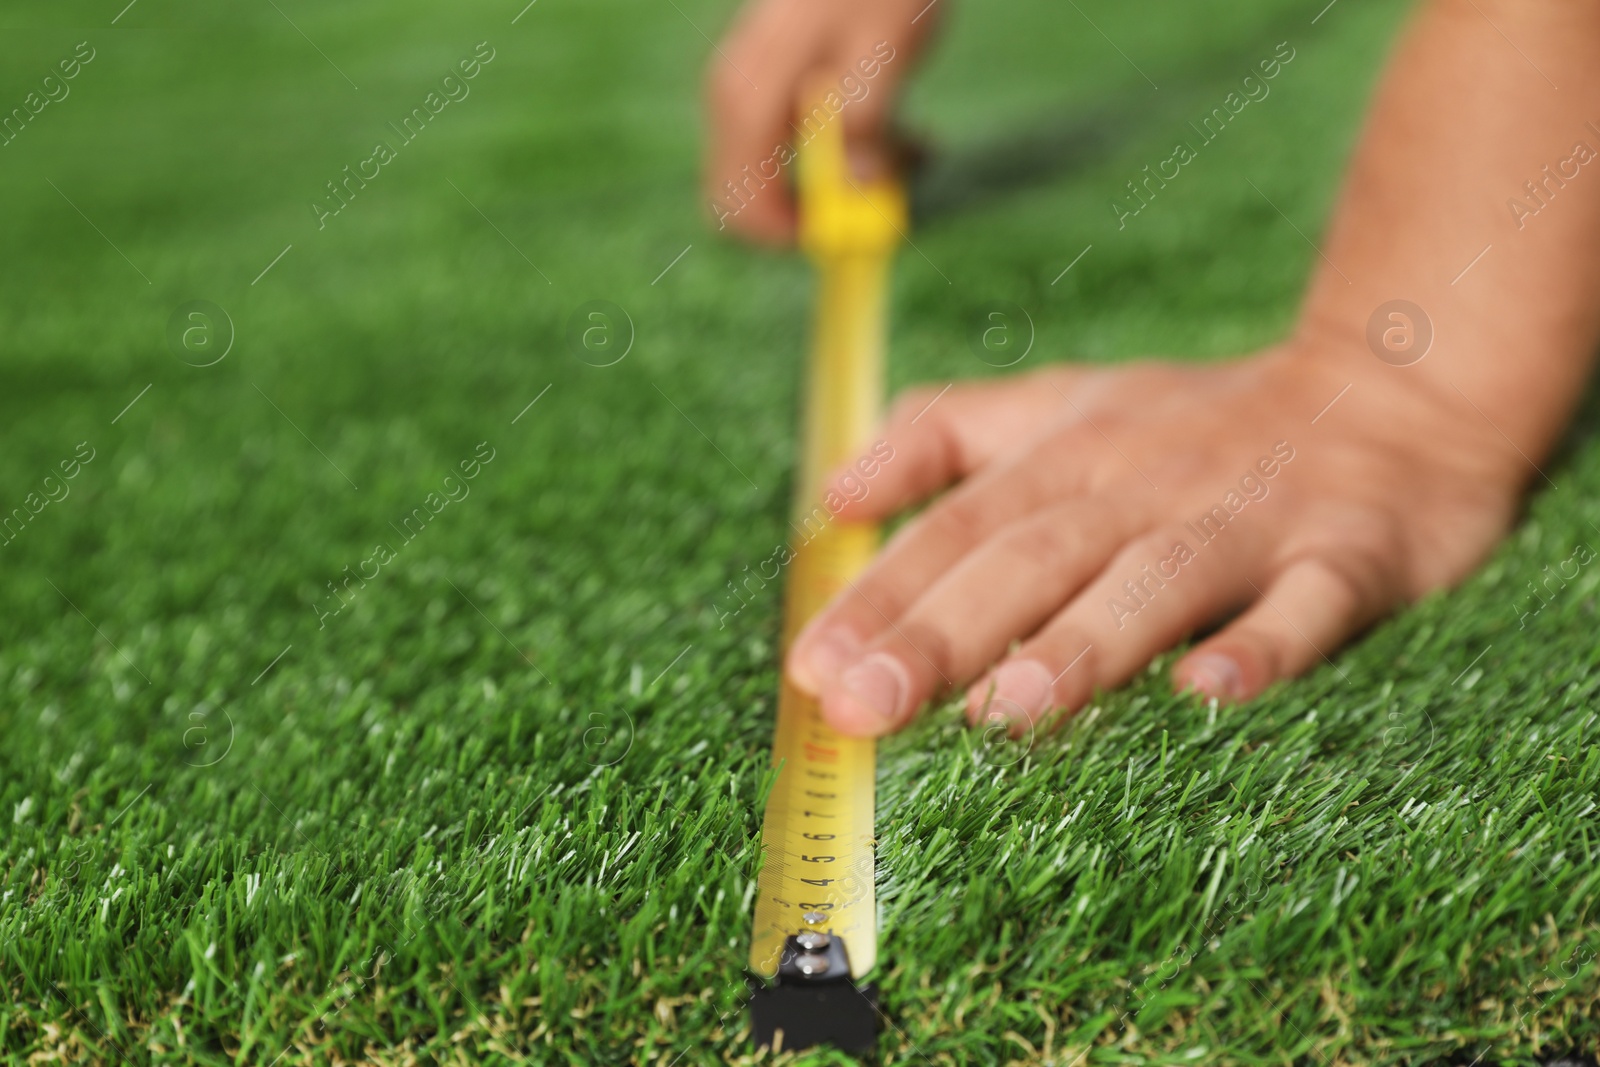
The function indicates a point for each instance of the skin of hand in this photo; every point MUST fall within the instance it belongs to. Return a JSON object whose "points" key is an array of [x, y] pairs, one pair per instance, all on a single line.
{"points": [[1103, 515], [776, 52]]}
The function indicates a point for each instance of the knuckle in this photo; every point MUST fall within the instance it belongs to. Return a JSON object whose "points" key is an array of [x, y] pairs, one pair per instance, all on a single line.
{"points": [[1075, 445], [961, 520], [1148, 547], [872, 603], [930, 645], [1355, 581], [1345, 589], [1363, 557], [1368, 531], [1045, 542]]}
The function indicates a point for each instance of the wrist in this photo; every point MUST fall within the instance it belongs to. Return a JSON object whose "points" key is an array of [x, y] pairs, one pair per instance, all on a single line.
{"points": [[1344, 387], [1517, 368]]}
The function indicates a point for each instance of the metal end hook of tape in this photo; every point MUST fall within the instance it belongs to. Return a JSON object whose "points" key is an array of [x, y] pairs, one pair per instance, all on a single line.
{"points": [[812, 1000]]}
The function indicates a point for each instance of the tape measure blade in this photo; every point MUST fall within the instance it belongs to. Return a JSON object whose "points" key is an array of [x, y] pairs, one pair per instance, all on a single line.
{"points": [[844, 382], [817, 832]]}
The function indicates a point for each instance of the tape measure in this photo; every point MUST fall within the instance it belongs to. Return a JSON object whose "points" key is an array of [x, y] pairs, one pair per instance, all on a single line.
{"points": [[816, 910]]}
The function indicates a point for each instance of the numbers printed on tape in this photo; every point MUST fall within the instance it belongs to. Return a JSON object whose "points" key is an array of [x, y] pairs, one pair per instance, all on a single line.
{"points": [[816, 836]]}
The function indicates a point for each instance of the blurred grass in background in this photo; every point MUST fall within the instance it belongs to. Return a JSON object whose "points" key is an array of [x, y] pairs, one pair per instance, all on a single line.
{"points": [[504, 803]]}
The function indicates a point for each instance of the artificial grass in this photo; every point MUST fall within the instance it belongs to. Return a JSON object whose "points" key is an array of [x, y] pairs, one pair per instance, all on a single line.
{"points": [[502, 806]]}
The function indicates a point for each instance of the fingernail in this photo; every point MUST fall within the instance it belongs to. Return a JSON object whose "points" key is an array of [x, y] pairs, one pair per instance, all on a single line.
{"points": [[820, 657], [1022, 690], [1216, 676], [879, 682]]}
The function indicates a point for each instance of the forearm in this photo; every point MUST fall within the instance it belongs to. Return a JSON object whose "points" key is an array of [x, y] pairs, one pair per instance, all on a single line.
{"points": [[1466, 117]]}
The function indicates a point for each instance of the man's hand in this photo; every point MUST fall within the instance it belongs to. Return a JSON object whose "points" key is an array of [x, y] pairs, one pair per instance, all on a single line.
{"points": [[1107, 514], [778, 51]]}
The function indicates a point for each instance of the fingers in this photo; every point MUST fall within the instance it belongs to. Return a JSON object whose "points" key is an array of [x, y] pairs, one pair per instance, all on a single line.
{"points": [[751, 85], [936, 435], [932, 437], [1158, 589], [1311, 609], [778, 51], [929, 546], [1003, 589], [912, 561]]}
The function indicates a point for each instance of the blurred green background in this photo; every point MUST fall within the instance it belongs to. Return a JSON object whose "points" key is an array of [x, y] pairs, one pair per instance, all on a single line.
{"points": [[502, 806]]}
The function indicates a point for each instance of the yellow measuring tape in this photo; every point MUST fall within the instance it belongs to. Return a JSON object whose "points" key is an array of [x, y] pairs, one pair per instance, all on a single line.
{"points": [[817, 870]]}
